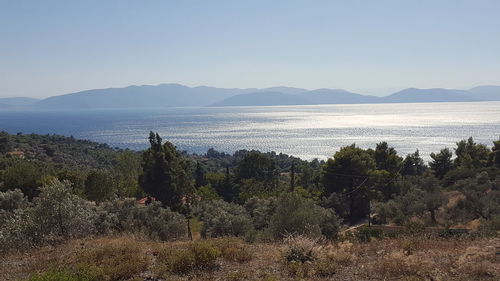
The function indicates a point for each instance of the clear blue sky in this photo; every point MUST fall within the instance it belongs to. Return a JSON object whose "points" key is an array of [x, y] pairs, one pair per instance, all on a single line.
{"points": [[376, 47]]}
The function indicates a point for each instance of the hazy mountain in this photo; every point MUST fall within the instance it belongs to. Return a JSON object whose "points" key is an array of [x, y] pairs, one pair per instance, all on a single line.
{"points": [[428, 95], [263, 99], [296, 97], [284, 90], [175, 95], [164, 95], [17, 102], [208, 95], [337, 96], [486, 93]]}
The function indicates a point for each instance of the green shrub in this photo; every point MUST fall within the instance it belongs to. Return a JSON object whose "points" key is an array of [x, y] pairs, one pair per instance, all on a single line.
{"points": [[367, 234], [221, 218], [207, 192], [481, 200], [155, 221], [10, 201], [296, 215], [490, 227], [261, 236], [54, 216], [261, 211], [414, 227]]}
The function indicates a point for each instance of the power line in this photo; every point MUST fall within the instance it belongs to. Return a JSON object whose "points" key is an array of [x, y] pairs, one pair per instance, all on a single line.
{"points": [[355, 189], [366, 178]]}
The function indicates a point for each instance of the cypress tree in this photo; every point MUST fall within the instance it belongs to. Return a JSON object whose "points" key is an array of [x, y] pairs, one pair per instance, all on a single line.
{"points": [[164, 172]]}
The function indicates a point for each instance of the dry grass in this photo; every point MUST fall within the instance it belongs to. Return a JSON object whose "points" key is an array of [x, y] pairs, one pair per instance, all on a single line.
{"points": [[200, 255], [132, 258], [234, 249], [118, 259]]}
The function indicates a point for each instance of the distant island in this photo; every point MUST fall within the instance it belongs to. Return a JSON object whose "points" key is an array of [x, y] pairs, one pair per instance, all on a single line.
{"points": [[176, 95]]}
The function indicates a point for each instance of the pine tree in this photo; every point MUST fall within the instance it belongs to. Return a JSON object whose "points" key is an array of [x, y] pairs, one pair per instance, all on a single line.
{"points": [[441, 163]]}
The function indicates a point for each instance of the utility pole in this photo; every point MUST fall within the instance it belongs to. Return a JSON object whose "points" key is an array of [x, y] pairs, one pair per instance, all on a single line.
{"points": [[369, 213], [190, 234], [292, 177]]}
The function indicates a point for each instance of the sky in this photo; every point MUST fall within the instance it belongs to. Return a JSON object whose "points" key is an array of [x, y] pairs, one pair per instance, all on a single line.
{"points": [[378, 47]]}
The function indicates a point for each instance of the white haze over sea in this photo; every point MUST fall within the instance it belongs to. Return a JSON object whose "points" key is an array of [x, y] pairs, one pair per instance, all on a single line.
{"points": [[304, 131]]}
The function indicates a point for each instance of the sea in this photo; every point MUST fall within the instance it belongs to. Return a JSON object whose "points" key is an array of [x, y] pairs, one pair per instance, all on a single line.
{"points": [[305, 131]]}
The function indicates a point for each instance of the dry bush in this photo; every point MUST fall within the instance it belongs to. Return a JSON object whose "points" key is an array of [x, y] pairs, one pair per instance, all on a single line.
{"points": [[479, 262], [409, 245], [194, 256], [299, 269], [344, 254], [331, 257], [121, 259], [300, 248], [173, 260], [398, 264], [269, 277], [236, 275], [325, 268], [299, 252], [233, 249], [63, 275], [205, 254], [482, 269]]}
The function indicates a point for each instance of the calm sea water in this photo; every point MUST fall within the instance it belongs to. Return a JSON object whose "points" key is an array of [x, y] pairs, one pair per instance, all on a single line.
{"points": [[304, 131]]}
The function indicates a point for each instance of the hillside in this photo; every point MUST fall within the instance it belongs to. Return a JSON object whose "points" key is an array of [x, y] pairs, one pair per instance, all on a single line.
{"points": [[253, 215], [59, 150]]}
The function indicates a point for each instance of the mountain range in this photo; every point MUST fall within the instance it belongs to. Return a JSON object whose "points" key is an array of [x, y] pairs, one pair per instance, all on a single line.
{"points": [[176, 95]]}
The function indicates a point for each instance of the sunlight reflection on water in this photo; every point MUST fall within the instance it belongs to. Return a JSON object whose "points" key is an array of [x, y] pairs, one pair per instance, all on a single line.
{"points": [[304, 131]]}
